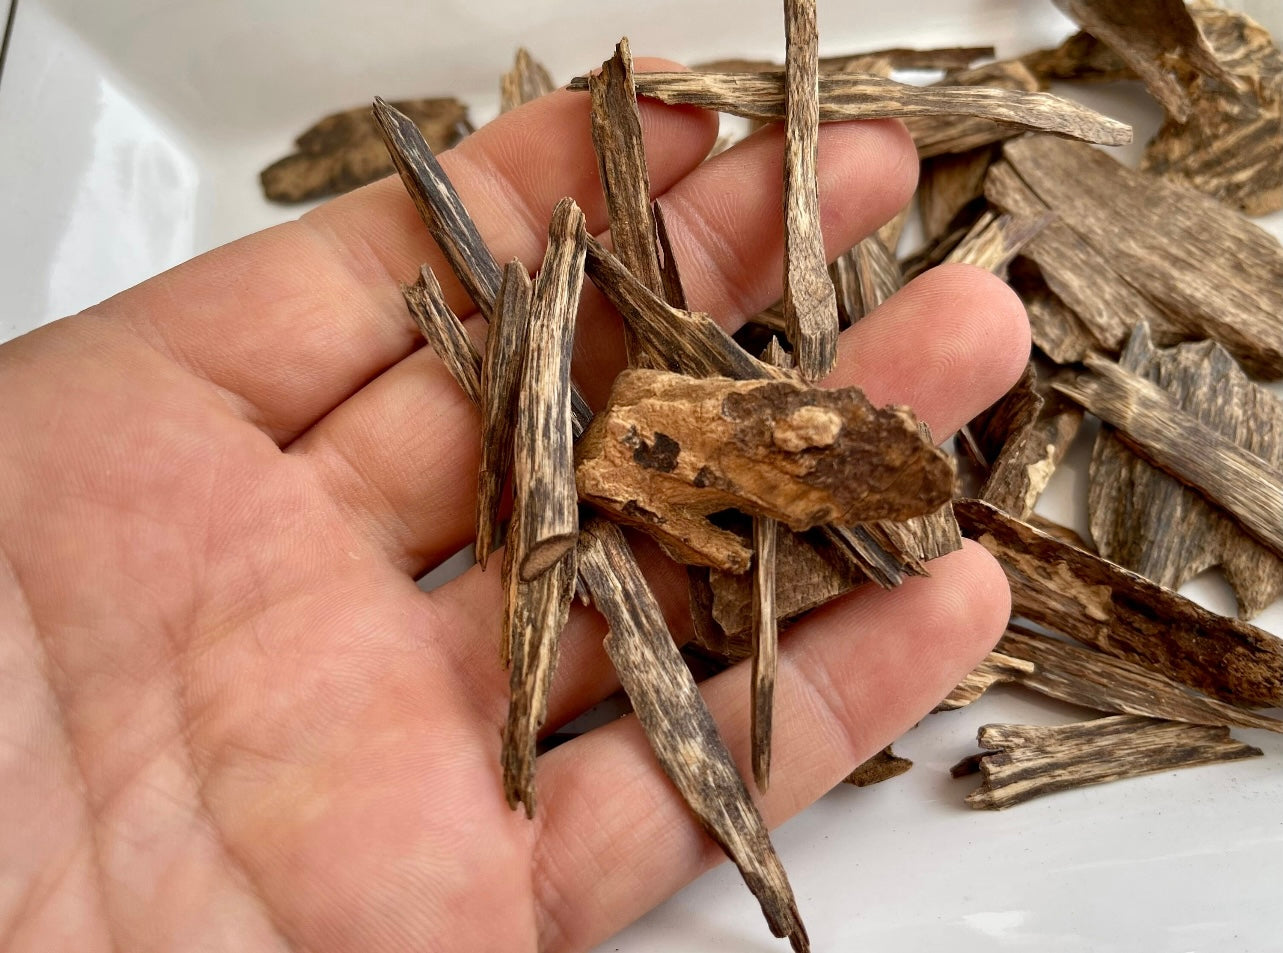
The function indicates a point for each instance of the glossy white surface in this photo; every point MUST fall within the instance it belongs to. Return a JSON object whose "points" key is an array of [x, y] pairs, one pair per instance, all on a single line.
{"points": [[131, 135]]}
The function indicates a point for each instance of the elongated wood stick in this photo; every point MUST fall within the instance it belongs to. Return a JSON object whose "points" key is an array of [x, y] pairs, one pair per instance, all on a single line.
{"points": [[678, 725], [501, 371], [544, 451], [1150, 421], [846, 96], [810, 303], [765, 646], [444, 332]]}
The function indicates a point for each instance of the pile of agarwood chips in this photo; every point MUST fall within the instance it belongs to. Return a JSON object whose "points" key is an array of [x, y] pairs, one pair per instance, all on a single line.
{"points": [[1155, 306]]}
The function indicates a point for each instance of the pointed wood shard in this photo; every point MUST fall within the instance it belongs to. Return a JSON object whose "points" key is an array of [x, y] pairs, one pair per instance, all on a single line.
{"points": [[501, 371], [1075, 593], [526, 81], [765, 647], [810, 307], [1152, 422], [1028, 761], [669, 450], [544, 468], [846, 96], [444, 332], [996, 669], [678, 725], [883, 766], [944, 134]]}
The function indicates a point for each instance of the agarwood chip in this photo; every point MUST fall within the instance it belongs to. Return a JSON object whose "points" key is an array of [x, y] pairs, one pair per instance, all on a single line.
{"points": [[900, 58], [993, 241], [1075, 593], [678, 725], [1231, 144], [343, 151], [526, 81], [1080, 59], [1153, 423], [948, 186], [946, 134], [1028, 761], [1158, 39], [444, 332], [846, 96], [883, 766], [1207, 271], [668, 451], [1148, 521]]}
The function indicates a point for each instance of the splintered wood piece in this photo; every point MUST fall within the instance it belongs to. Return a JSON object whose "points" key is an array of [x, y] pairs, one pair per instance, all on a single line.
{"points": [[678, 725], [1092, 679], [448, 221], [444, 332], [1024, 436], [539, 610], [846, 96], [1148, 521], [694, 343], [883, 766], [544, 467], [674, 292], [343, 151], [1029, 761], [1153, 423], [669, 450], [950, 184], [1158, 39], [765, 646], [1209, 272], [1231, 145], [501, 371], [864, 277], [996, 669], [1077, 301], [900, 58], [995, 240], [944, 134], [621, 164], [1075, 593], [1080, 59], [810, 305], [527, 80]]}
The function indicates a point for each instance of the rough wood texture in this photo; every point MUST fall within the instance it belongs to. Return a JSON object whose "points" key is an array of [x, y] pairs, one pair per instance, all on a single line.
{"points": [[1103, 605], [444, 332], [995, 240], [765, 646], [544, 467], [674, 293], [1207, 271], [846, 96], [942, 135], [1158, 39], [883, 766], [950, 184], [527, 80], [1151, 523], [810, 306], [537, 614], [670, 450], [863, 278], [343, 151], [1231, 145], [1092, 679], [621, 164], [1153, 423], [996, 669], [900, 58], [1030, 760], [1080, 59], [678, 724], [501, 372], [1023, 437]]}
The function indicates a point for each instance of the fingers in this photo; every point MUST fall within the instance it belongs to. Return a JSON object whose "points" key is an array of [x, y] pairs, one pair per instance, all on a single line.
{"points": [[291, 321], [402, 453], [854, 676]]}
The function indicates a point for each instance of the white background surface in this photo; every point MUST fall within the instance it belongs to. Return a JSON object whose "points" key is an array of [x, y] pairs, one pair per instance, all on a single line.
{"points": [[131, 135]]}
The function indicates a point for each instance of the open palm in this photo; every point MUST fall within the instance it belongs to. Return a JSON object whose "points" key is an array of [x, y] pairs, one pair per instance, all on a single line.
{"points": [[230, 719]]}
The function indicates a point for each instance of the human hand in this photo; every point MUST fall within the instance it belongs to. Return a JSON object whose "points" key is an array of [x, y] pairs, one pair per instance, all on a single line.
{"points": [[232, 720]]}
